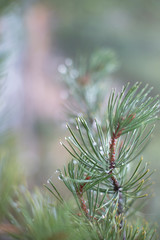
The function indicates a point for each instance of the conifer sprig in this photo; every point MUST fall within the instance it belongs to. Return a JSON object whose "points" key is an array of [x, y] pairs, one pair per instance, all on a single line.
{"points": [[131, 110], [98, 175], [84, 79], [99, 178]]}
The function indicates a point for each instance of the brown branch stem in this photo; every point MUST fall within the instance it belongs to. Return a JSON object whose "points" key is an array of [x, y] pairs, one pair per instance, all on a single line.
{"points": [[116, 184], [80, 196]]}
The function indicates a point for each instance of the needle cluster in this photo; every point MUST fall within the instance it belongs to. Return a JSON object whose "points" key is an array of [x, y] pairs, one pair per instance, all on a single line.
{"points": [[98, 176]]}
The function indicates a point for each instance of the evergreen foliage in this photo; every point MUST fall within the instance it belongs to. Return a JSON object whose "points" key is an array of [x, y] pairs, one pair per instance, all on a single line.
{"points": [[9, 179], [86, 79], [98, 175], [107, 182], [106, 174], [7, 5]]}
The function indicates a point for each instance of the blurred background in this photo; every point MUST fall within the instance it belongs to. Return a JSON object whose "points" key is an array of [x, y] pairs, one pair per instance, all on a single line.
{"points": [[36, 37]]}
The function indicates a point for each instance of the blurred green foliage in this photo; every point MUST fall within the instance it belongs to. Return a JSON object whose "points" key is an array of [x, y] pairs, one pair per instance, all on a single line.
{"points": [[129, 27], [8, 5], [37, 216], [10, 176]]}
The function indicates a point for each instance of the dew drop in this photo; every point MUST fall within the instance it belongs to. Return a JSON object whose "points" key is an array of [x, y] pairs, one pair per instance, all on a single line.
{"points": [[61, 143], [77, 127], [101, 152], [75, 162], [62, 69], [100, 148], [54, 212], [94, 143], [128, 167], [73, 188], [60, 177], [94, 124]]}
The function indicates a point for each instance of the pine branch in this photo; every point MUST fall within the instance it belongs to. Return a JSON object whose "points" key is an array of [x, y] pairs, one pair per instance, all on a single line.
{"points": [[84, 80], [97, 180], [98, 177]]}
